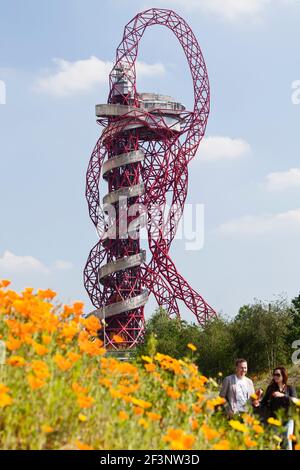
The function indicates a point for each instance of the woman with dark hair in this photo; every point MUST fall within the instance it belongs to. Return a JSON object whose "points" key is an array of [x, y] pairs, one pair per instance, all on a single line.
{"points": [[278, 397]]}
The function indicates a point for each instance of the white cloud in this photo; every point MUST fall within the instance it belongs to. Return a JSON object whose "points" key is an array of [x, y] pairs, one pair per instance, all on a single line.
{"points": [[222, 148], [283, 180], [82, 75], [11, 263], [229, 10], [284, 222], [149, 70], [62, 265]]}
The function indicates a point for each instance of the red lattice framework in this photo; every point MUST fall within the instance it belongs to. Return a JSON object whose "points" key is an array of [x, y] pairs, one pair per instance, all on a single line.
{"points": [[143, 159]]}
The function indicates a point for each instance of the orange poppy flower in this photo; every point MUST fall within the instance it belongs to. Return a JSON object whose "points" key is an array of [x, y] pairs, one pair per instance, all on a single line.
{"points": [[62, 363], [16, 361], [35, 382]]}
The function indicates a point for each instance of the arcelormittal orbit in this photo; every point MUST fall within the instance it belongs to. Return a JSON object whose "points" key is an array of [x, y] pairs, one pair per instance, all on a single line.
{"points": [[143, 155]]}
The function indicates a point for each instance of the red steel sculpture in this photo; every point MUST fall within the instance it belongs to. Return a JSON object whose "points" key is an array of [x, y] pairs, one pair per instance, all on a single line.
{"points": [[143, 154]]}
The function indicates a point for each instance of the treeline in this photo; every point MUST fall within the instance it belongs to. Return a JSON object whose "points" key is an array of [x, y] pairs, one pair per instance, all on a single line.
{"points": [[262, 333]]}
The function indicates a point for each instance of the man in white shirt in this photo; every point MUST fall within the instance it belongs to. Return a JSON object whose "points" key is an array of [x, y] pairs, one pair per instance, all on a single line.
{"points": [[237, 389]]}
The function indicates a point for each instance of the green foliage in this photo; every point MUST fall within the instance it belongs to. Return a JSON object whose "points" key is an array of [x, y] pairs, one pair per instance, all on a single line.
{"points": [[216, 352], [151, 344], [294, 331], [261, 333], [170, 336]]}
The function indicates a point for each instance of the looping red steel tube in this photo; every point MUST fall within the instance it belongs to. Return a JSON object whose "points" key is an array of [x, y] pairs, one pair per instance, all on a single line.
{"points": [[143, 154]]}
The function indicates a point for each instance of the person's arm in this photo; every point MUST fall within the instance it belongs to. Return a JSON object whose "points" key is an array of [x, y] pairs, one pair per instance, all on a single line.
{"points": [[251, 388], [292, 392], [265, 398], [224, 389], [289, 394], [252, 395], [224, 394]]}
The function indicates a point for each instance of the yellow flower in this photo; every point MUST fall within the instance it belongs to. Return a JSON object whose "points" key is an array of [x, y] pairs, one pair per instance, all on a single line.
{"points": [[78, 308], [194, 424], [192, 347], [40, 349], [117, 339], [46, 429], [172, 393], [258, 428], [69, 330], [46, 339], [142, 422], [153, 416], [179, 440], [238, 426], [211, 404], [249, 419], [79, 389], [105, 381], [82, 417], [292, 438], [5, 398], [123, 415], [4, 283], [74, 357], [141, 403], [85, 401], [13, 344], [4, 388], [208, 432], [274, 422], [82, 446], [62, 363], [138, 411], [40, 369], [182, 407], [222, 445], [197, 408], [35, 382], [16, 361], [46, 294], [150, 367], [249, 443], [92, 324], [147, 359], [92, 348]]}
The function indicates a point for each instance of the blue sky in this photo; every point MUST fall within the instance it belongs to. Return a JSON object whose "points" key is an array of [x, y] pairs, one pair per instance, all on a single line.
{"points": [[54, 60]]}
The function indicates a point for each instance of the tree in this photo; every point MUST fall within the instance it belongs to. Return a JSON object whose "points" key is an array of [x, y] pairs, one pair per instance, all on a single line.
{"points": [[259, 333], [216, 352], [171, 335], [294, 333]]}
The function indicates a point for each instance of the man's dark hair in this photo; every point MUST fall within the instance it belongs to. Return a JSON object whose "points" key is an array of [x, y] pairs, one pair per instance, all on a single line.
{"points": [[239, 361]]}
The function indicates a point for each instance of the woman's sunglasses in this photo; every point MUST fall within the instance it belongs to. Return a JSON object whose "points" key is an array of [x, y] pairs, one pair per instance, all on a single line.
{"points": [[276, 374]]}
